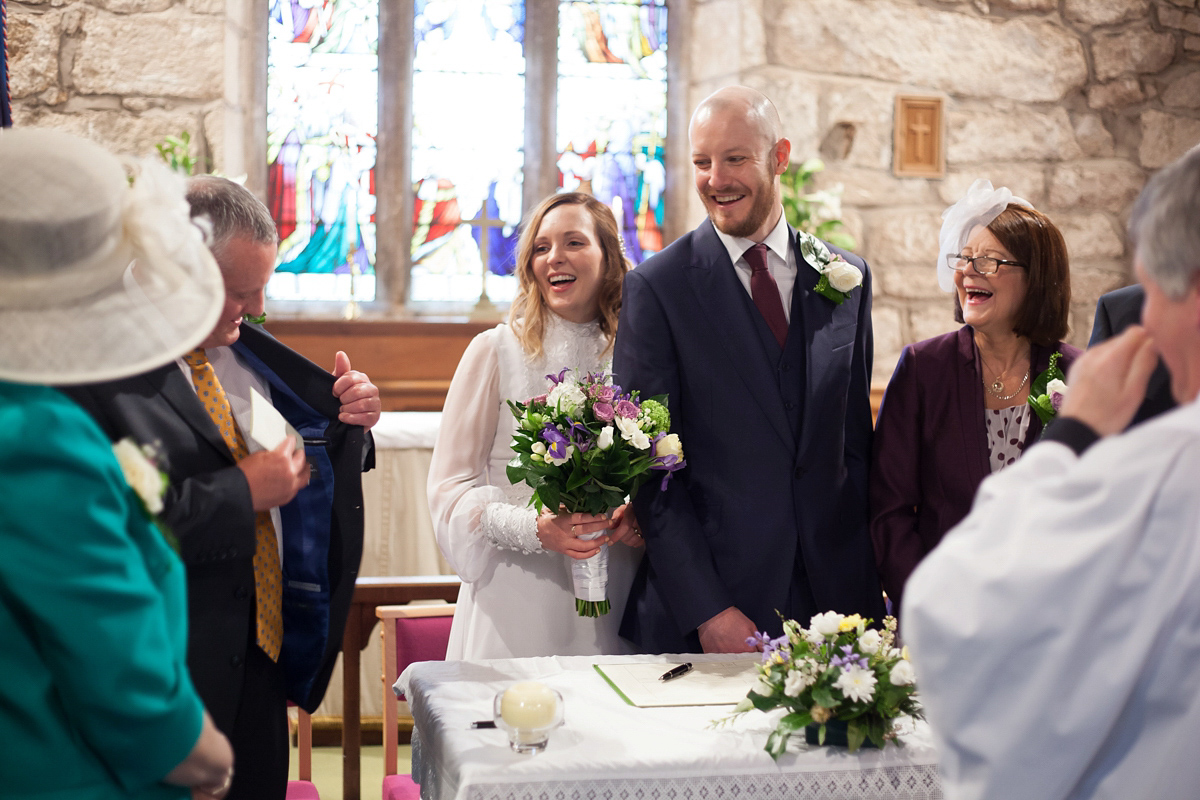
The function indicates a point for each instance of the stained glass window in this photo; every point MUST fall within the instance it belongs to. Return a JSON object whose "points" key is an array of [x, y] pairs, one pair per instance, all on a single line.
{"points": [[612, 111], [322, 123], [468, 112]]}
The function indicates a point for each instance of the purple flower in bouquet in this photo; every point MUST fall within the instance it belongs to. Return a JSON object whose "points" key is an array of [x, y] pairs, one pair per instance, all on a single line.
{"points": [[603, 411], [556, 443], [603, 394], [668, 455], [557, 379], [581, 437], [627, 409], [850, 659]]}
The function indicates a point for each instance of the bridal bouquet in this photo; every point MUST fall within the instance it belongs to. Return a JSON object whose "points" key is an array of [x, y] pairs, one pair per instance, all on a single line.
{"points": [[834, 673], [585, 446]]}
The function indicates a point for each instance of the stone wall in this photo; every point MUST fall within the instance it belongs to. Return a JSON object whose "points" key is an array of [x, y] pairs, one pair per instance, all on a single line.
{"points": [[126, 73], [1070, 103]]}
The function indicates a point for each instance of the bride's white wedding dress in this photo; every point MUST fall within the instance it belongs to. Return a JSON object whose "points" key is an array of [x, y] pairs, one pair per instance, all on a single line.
{"points": [[516, 599]]}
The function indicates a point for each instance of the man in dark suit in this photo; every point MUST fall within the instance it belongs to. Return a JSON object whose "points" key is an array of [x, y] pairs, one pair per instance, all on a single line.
{"points": [[271, 539], [768, 381], [1115, 312]]}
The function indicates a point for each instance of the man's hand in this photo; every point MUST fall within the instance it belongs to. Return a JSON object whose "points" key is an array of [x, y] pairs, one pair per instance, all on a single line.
{"points": [[359, 397], [1108, 382], [727, 632], [275, 476]]}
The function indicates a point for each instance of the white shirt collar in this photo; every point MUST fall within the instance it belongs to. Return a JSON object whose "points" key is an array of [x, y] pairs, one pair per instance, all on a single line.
{"points": [[778, 241]]}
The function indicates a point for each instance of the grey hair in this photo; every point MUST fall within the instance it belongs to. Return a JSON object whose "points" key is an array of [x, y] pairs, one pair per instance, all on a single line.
{"points": [[1164, 227], [232, 210]]}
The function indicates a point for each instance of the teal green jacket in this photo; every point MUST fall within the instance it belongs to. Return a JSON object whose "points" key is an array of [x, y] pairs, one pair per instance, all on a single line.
{"points": [[95, 697]]}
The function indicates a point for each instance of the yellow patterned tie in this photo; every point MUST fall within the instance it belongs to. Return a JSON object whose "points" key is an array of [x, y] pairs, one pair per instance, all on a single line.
{"points": [[268, 577]]}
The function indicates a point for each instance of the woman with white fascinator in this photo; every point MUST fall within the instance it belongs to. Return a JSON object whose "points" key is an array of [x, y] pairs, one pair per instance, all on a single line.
{"points": [[957, 407], [102, 275]]}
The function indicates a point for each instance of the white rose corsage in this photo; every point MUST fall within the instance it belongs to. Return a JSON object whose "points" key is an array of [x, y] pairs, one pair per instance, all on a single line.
{"points": [[149, 483], [838, 276]]}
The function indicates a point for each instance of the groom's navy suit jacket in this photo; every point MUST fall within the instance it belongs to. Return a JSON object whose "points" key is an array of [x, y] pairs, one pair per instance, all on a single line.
{"points": [[771, 511]]}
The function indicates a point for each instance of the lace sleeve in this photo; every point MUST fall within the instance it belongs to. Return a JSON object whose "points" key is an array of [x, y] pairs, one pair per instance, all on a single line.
{"points": [[511, 527]]}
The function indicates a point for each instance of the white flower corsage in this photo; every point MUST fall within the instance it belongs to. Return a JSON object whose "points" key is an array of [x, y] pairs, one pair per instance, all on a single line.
{"points": [[149, 483], [838, 276]]}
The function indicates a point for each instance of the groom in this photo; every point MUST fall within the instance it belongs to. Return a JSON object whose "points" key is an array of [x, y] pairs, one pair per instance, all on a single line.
{"points": [[768, 383]]}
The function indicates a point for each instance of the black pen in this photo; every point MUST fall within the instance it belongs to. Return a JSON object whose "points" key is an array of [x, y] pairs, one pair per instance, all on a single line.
{"points": [[675, 672], [483, 723]]}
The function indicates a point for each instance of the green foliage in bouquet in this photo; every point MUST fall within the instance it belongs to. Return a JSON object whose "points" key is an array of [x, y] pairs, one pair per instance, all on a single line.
{"points": [[837, 669], [815, 212]]}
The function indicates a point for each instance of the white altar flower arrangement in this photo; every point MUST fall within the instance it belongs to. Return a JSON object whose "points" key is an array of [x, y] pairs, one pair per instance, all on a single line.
{"points": [[840, 682], [838, 276], [139, 466], [1048, 391], [585, 446]]}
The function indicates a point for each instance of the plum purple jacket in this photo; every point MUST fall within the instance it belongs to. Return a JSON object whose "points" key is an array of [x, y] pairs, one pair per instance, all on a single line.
{"points": [[930, 449]]}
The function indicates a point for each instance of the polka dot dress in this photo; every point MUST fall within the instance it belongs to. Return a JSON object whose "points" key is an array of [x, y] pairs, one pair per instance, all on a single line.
{"points": [[1006, 429]]}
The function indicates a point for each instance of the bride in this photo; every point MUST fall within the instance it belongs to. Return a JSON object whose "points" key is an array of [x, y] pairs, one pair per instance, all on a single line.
{"points": [[515, 564]]}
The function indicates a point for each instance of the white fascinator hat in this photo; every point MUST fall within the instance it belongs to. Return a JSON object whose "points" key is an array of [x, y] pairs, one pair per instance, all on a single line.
{"points": [[979, 206], [102, 273]]}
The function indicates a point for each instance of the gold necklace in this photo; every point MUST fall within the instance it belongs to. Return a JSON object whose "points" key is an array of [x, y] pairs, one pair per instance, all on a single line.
{"points": [[997, 387]]}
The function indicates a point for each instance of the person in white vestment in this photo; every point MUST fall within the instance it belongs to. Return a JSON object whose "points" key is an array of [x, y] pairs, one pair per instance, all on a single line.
{"points": [[517, 597], [1056, 631]]}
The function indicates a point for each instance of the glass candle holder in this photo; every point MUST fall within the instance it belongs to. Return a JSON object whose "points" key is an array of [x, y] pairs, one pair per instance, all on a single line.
{"points": [[527, 712]]}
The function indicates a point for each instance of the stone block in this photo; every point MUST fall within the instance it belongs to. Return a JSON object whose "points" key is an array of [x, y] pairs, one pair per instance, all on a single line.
{"points": [[1184, 91], [1039, 6], [133, 6], [868, 110], [1104, 12], [908, 236], [886, 325], [1110, 185], [177, 54], [214, 137], [1191, 44], [927, 320], [1115, 94], [1170, 17], [909, 282], [1093, 136], [33, 45], [1090, 236], [727, 38], [796, 97], [206, 6], [1026, 181], [1009, 133], [868, 188], [1134, 51], [1089, 281], [119, 131], [1166, 137], [1026, 59]]}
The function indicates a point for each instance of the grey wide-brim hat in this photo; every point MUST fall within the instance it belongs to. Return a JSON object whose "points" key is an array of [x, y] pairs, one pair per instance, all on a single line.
{"points": [[102, 273]]}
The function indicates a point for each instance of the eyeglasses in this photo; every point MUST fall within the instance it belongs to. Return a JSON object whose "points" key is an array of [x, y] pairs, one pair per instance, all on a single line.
{"points": [[984, 265]]}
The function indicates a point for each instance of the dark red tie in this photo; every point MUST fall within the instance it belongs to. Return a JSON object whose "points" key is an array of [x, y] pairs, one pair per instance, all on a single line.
{"points": [[765, 292]]}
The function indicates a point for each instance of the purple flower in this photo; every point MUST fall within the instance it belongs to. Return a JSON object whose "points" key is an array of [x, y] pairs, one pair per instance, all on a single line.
{"points": [[556, 443], [557, 379], [581, 436], [603, 411], [627, 409], [667, 463], [850, 659]]}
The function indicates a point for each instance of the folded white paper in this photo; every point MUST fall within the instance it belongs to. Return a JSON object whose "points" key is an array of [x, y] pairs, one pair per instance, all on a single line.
{"points": [[267, 426]]}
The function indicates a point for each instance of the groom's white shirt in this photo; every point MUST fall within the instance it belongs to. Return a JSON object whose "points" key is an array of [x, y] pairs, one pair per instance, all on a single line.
{"points": [[1056, 631]]}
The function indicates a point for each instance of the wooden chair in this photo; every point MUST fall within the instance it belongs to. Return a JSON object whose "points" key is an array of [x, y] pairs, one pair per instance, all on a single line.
{"points": [[410, 634], [304, 789]]}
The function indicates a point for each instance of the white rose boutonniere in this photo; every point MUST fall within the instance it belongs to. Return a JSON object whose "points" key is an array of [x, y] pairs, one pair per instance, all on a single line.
{"points": [[149, 483], [838, 276]]}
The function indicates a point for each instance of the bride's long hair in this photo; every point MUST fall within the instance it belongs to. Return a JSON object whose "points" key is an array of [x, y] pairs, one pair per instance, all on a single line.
{"points": [[527, 315]]}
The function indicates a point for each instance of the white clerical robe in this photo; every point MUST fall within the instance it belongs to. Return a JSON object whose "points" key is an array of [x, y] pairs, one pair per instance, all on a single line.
{"points": [[1056, 631]]}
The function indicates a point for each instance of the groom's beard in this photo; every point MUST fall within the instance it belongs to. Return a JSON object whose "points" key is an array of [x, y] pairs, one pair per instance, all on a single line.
{"points": [[760, 211]]}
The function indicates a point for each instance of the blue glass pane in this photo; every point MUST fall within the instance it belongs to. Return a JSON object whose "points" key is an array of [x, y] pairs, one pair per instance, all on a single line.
{"points": [[322, 124]]}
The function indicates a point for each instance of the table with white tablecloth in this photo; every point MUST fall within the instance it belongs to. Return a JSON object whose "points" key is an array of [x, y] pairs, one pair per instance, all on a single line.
{"points": [[398, 536], [608, 748]]}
